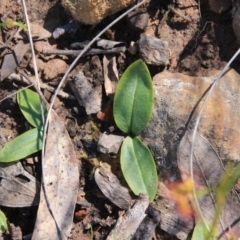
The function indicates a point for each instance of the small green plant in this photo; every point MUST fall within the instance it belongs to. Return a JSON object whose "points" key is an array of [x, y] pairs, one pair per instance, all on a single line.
{"points": [[221, 192], [30, 141], [13, 23], [132, 109], [3, 222]]}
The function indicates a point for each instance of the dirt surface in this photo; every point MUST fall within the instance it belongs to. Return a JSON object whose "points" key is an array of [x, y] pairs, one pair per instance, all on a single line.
{"points": [[200, 42]]}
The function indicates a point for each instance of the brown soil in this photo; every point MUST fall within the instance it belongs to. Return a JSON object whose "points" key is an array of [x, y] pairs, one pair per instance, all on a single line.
{"points": [[197, 48]]}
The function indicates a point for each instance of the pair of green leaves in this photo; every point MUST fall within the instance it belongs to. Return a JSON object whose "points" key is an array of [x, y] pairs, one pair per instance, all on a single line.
{"points": [[30, 141], [132, 108]]}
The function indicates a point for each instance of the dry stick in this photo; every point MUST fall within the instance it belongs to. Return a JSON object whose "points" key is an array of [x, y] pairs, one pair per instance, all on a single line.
{"points": [[77, 52], [27, 80], [195, 132], [58, 88]]}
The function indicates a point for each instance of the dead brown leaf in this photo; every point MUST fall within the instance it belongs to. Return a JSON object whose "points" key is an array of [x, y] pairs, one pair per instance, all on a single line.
{"points": [[11, 60], [18, 188], [61, 182], [110, 74]]}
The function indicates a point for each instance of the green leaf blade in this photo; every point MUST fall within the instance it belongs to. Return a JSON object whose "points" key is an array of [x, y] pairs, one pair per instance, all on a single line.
{"points": [[200, 232], [138, 167], [30, 106], [133, 101], [22, 146], [3, 222]]}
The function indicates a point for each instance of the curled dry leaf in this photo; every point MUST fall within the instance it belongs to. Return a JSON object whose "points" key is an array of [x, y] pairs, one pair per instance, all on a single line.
{"points": [[61, 182], [110, 74]]}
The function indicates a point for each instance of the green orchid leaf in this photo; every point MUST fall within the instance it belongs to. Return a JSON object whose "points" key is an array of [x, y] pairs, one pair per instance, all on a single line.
{"points": [[200, 232], [30, 106], [22, 146], [138, 167], [133, 101], [3, 222]]}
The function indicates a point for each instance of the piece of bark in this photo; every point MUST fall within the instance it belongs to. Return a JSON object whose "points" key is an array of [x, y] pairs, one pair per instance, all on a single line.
{"points": [[147, 227], [112, 188], [87, 96], [128, 223]]}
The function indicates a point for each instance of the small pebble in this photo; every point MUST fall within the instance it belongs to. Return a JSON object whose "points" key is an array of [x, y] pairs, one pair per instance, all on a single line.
{"points": [[153, 50]]}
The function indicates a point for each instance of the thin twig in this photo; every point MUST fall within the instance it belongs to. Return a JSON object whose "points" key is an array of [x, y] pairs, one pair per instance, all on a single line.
{"points": [[25, 80], [62, 81]]}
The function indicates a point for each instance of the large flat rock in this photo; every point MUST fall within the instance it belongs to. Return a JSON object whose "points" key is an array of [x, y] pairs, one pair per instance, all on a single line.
{"points": [[178, 99]]}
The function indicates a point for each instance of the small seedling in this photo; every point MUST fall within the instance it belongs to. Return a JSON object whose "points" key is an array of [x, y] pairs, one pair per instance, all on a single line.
{"points": [[221, 192], [13, 23], [30, 141], [132, 108]]}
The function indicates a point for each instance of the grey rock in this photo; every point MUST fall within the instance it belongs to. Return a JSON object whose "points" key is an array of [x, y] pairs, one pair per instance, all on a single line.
{"points": [[153, 50], [177, 103], [109, 144], [138, 20]]}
